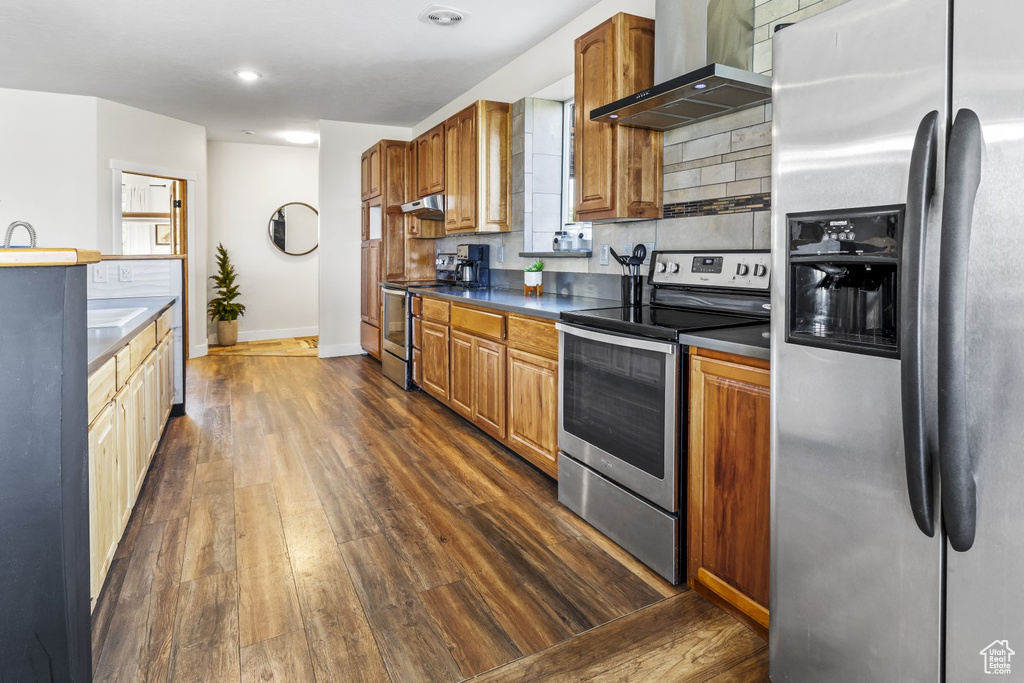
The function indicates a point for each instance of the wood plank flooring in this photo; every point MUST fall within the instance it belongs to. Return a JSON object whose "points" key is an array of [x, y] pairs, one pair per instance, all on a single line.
{"points": [[309, 521]]}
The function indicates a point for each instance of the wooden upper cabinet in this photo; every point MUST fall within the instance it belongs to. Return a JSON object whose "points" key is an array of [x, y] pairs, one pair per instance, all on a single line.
{"points": [[428, 152], [478, 169], [729, 496], [618, 169], [370, 172]]}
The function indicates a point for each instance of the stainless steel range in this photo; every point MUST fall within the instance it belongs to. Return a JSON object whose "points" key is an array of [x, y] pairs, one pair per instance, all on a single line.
{"points": [[622, 396]]}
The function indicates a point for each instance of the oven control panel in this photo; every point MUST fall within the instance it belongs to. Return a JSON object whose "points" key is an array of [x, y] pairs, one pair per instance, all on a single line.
{"points": [[732, 269]]}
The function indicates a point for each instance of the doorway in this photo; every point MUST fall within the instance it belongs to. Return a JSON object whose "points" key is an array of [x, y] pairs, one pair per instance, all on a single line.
{"points": [[151, 222]]}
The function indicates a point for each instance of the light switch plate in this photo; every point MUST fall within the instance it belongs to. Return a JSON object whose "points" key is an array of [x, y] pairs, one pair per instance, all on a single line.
{"points": [[99, 272], [501, 253], [604, 255], [650, 250]]}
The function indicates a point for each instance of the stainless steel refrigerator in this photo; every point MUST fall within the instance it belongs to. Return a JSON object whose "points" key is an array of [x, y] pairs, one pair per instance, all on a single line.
{"points": [[897, 531]]}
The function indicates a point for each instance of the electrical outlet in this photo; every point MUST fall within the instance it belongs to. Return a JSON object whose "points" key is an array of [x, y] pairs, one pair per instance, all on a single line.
{"points": [[124, 273], [99, 272], [627, 250], [650, 250], [501, 253], [604, 255]]}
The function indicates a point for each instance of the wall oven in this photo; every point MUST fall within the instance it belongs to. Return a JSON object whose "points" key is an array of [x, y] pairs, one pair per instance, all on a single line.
{"points": [[622, 397], [396, 337]]}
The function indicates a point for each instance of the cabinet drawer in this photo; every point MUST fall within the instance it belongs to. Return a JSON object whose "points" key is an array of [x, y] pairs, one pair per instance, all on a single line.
{"points": [[102, 387], [142, 345], [436, 310], [124, 365], [417, 333], [417, 305], [479, 322], [533, 335], [164, 323]]}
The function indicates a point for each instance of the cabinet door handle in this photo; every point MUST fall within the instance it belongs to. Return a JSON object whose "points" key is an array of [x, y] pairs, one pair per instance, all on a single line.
{"points": [[920, 191], [963, 176]]}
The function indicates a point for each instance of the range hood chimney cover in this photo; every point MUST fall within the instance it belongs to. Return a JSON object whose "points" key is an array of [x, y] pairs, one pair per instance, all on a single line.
{"points": [[709, 42]]}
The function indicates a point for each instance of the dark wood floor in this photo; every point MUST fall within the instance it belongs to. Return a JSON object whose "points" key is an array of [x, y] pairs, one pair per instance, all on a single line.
{"points": [[309, 521]]}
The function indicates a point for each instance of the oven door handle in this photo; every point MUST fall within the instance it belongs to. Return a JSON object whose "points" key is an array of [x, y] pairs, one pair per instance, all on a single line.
{"points": [[668, 348]]}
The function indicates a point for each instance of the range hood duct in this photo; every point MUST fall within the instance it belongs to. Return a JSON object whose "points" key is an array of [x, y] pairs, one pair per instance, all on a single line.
{"points": [[429, 208], [709, 42]]}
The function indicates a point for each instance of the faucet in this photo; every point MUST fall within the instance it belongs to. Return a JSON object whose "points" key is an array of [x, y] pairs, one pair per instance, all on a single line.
{"points": [[27, 226]]}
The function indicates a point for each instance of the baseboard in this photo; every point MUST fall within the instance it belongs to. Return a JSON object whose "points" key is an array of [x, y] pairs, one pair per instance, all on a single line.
{"points": [[263, 335], [198, 351], [335, 350]]}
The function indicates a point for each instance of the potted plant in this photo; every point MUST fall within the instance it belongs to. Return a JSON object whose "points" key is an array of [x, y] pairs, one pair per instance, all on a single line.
{"points": [[534, 273], [223, 308]]}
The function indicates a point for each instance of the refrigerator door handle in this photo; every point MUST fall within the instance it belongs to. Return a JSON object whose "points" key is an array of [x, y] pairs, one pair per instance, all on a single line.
{"points": [[920, 190], [963, 176]]}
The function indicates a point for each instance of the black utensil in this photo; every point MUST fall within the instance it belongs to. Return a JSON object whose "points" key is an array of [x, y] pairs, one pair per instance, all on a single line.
{"points": [[640, 252]]}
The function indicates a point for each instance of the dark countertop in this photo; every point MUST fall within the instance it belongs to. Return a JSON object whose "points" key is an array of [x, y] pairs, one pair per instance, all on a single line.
{"points": [[548, 306], [750, 340], [105, 342]]}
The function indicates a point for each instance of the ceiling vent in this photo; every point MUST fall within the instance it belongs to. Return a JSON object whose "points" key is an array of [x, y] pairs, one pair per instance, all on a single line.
{"points": [[439, 15]]}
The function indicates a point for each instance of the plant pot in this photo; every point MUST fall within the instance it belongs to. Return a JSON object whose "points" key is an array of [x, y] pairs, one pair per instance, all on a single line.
{"points": [[533, 278], [227, 332]]}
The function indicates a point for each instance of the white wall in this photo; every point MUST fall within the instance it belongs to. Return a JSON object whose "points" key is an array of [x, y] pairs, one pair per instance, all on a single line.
{"points": [[169, 147], [549, 61], [48, 167], [341, 145], [247, 183]]}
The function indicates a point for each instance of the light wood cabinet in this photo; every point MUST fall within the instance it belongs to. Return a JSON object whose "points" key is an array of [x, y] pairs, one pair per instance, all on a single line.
{"points": [[618, 169], [103, 495], [435, 360], [729, 494], [428, 152], [533, 408], [460, 396], [370, 172], [478, 171], [123, 438]]}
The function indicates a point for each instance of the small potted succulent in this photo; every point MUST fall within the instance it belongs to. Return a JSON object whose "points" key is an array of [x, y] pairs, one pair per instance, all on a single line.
{"points": [[534, 273], [223, 308]]}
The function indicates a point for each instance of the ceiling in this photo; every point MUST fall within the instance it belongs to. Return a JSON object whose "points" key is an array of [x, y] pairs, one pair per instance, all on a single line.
{"points": [[368, 62]]}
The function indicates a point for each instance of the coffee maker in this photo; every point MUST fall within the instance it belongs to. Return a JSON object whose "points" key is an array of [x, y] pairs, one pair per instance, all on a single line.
{"points": [[472, 265]]}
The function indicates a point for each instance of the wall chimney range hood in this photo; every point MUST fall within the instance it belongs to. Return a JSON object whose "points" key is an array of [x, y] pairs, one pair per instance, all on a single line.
{"points": [[709, 42]]}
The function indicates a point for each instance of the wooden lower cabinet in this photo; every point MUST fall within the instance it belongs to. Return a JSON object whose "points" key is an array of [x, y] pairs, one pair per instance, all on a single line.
{"points": [[435, 360], [533, 408], [488, 381], [103, 495], [729, 496], [369, 308], [122, 440], [460, 385]]}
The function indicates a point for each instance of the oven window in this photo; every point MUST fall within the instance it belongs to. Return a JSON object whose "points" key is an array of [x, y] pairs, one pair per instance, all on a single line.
{"points": [[395, 318], [615, 399]]}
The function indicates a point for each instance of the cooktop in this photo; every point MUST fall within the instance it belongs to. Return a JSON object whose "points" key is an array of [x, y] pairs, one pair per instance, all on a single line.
{"points": [[656, 321]]}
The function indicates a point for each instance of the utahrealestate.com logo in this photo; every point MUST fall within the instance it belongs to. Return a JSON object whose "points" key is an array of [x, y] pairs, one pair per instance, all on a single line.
{"points": [[997, 657]]}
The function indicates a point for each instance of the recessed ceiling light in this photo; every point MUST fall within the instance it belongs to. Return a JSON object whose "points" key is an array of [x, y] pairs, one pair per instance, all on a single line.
{"points": [[299, 137], [248, 132], [247, 75], [440, 15]]}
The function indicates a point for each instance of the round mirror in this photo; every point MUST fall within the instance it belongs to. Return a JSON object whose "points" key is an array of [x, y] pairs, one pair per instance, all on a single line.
{"points": [[294, 228]]}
